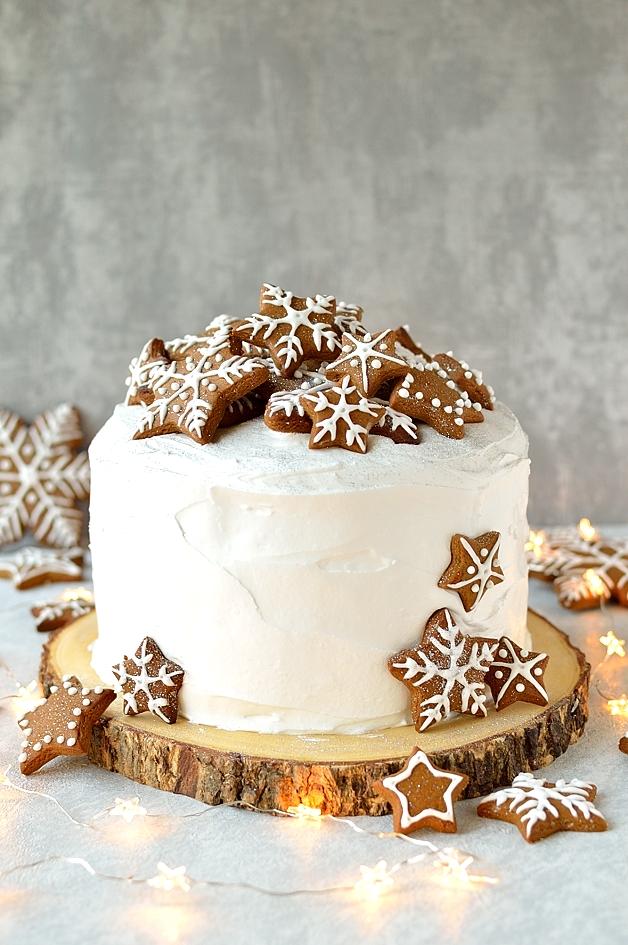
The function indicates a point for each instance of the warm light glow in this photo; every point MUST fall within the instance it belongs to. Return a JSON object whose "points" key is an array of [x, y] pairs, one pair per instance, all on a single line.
{"points": [[374, 881], [27, 698], [127, 808], [168, 879], [304, 811], [619, 706], [595, 583], [78, 593], [454, 869], [614, 646], [536, 543], [586, 530]]}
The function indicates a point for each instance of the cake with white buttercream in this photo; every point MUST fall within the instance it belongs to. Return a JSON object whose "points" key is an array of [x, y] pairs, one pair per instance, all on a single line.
{"points": [[282, 578]]}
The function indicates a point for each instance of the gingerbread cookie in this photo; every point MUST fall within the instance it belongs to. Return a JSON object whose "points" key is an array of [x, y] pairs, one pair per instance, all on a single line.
{"points": [[368, 361], [42, 477], [243, 409], [31, 566], [424, 395], [540, 808], [341, 416], [474, 567], [422, 795], [348, 319], [60, 613], [517, 675], [293, 329], [152, 359], [398, 427], [192, 394], [286, 414], [467, 380], [445, 673], [581, 591], [61, 724], [407, 342], [150, 682], [623, 743]]}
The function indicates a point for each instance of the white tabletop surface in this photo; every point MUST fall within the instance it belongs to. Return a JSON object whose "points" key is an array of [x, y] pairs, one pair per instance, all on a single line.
{"points": [[568, 889]]}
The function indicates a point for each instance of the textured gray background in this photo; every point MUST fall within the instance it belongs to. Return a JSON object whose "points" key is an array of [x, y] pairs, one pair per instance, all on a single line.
{"points": [[457, 165]]}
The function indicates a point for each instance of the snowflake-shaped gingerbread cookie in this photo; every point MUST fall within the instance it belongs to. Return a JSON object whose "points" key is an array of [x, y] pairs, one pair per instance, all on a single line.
{"points": [[445, 673], [42, 477], [291, 328], [150, 682], [341, 416], [30, 566], [474, 567], [540, 808]]}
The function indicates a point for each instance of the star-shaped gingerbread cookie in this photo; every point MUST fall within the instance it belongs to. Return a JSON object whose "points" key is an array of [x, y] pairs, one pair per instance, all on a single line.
{"points": [[291, 328], [61, 724], [540, 808], [341, 416], [422, 795], [369, 361], [467, 380], [150, 682], [42, 477], [474, 567], [191, 394], [517, 675], [424, 395], [445, 673]]}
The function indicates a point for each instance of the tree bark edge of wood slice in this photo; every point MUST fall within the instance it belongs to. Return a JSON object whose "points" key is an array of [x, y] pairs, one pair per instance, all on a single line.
{"points": [[219, 776]]}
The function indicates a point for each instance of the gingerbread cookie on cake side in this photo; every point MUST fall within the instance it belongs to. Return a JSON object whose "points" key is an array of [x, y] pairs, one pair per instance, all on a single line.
{"points": [[280, 577]]}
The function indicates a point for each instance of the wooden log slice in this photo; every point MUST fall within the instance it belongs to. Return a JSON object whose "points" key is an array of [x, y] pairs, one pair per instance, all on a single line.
{"points": [[332, 772]]}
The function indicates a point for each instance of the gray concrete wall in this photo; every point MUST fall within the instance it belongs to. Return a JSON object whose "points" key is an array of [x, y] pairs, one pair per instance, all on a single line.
{"points": [[462, 166]]}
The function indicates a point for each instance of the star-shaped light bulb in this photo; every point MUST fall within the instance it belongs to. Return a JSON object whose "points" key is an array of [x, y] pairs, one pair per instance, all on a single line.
{"points": [[304, 812], [619, 706], [586, 530], [594, 582], [614, 646], [4, 776], [170, 878], [374, 881], [127, 808], [536, 543], [77, 593], [454, 865], [27, 698]]}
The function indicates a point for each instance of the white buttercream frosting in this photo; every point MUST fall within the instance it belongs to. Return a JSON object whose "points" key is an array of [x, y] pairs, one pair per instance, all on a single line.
{"points": [[282, 578]]}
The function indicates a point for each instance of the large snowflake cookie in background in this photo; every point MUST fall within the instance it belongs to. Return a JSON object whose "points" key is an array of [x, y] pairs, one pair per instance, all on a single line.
{"points": [[540, 808], [42, 477], [348, 489]]}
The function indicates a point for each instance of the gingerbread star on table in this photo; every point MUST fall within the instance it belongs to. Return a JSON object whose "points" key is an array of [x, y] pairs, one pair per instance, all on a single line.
{"points": [[426, 396], [291, 328], [190, 395], [422, 795], [540, 808], [474, 567], [516, 675], [150, 682], [30, 566], [61, 724], [42, 477], [444, 673], [341, 416], [368, 361]]}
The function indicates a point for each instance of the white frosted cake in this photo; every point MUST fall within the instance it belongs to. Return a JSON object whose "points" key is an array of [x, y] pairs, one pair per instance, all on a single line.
{"points": [[281, 574]]}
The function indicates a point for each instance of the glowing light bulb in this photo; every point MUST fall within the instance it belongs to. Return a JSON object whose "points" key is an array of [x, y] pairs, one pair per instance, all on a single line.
{"points": [[169, 879], [586, 530], [374, 881], [536, 543], [454, 865], [595, 583], [304, 811], [619, 706], [127, 808], [27, 698], [614, 646]]}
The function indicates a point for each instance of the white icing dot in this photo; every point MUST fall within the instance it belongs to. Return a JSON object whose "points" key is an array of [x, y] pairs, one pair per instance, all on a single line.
{"points": [[22, 722], [70, 742], [66, 677], [47, 739], [503, 654], [435, 402], [176, 408], [525, 654], [459, 421], [537, 671], [76, 711], [60, 739], [27, 732], [499, 674], [484, 552], [71, 724], [354, 362], [54, 689], [98, 690], [85, 702], [419, 395], [22, 757], [520, 687], [449, 409], [471, 569], [403, 392], [376, 363], [475, 588], [37, 746], [24, 744], [212, 387], [72, 691], [84, 692]]}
